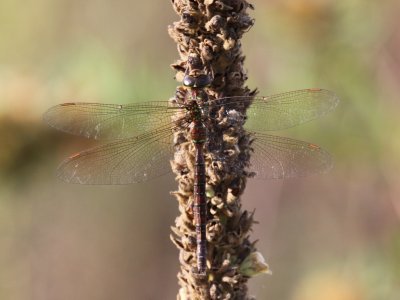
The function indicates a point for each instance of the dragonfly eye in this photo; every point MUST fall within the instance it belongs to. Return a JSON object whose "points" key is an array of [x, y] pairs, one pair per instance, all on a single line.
{"points": [[189, 81], [203, 80], [199, 81]]}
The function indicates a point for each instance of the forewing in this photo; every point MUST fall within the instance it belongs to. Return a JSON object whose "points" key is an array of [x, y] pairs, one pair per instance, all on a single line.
{"points": [[124, 161], [289, 109], [109, 121], [284, 110], [278, 157]]}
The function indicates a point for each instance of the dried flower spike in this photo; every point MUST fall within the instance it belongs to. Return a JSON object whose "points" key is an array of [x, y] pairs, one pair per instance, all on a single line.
{"points": [[208, 40]]}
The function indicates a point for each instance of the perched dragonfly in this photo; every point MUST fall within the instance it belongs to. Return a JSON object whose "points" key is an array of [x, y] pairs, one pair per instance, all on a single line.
{"points": [[141, 134]]}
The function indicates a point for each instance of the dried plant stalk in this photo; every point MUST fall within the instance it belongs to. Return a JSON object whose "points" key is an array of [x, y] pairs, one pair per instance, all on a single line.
{"points": [[208, 38]]}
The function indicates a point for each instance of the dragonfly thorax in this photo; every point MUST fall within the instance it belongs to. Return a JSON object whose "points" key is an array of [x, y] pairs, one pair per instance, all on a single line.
{"points": [[195, 111], [198, 131]]}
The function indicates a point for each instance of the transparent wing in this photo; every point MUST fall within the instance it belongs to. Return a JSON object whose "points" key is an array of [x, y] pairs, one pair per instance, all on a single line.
{"points": [[284, 110], [109, 121], [278, 157], [124, 161]]}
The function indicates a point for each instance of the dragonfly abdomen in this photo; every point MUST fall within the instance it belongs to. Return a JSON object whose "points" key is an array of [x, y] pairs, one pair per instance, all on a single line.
{"points": [[198, 132], [200, 207]]}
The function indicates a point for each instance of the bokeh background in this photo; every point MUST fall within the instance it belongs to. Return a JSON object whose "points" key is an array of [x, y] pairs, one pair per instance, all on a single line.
{"points": [[335, 236]]}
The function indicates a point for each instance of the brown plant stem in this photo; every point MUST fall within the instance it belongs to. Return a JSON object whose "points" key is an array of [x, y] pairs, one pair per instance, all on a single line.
{"points": [[208, 41]]}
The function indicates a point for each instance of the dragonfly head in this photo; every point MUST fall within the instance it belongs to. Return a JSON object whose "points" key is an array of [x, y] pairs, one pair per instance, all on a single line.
{"points": [[196, 81]]}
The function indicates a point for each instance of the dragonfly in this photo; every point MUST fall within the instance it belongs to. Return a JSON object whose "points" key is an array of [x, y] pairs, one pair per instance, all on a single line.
{"points": [[140, 139]]}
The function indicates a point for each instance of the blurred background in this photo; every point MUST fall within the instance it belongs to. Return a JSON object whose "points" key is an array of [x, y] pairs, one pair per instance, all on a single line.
{"points": [[335, 236]]}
